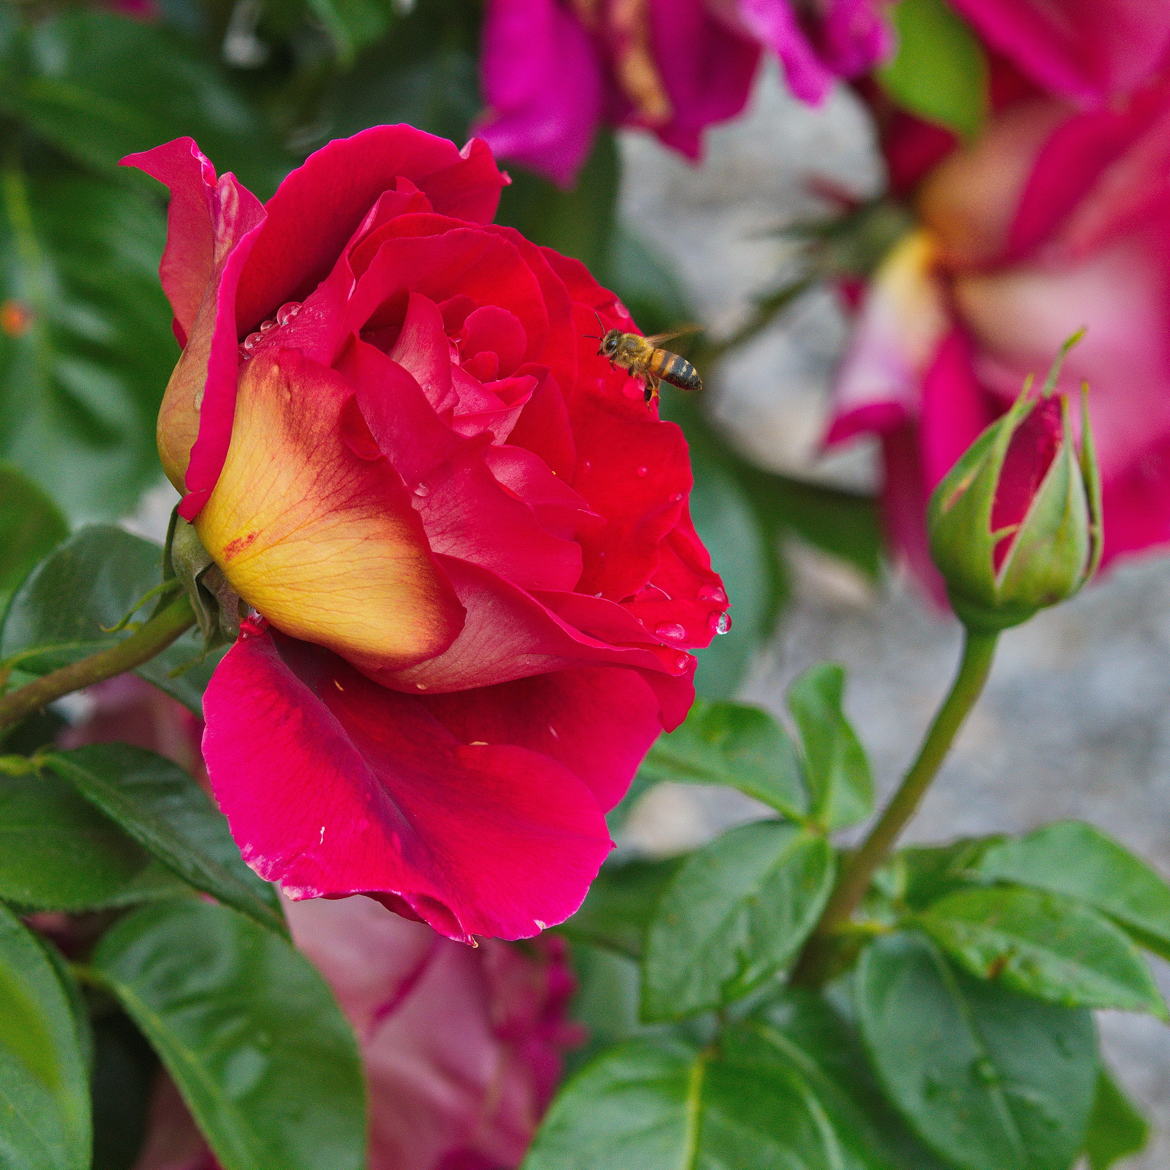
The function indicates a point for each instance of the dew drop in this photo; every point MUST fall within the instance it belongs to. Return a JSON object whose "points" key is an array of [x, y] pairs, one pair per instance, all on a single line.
{"points": [[721, 622], [250, 342], [267, 326], [674, 630], [422, 490], [680, 663], [287, 312], [712, 593], [420, 686]]}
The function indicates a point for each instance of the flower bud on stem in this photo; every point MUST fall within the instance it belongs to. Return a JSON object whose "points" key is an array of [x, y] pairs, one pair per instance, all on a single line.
{"points": [[815, 962], [154, 636]]}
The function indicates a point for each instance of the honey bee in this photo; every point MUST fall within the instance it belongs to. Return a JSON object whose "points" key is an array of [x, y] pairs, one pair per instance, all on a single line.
{"points": [[642, 357]]}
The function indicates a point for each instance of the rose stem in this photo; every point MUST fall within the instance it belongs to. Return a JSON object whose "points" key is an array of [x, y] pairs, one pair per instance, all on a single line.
{"points": [[150, 639], [974, 667]]}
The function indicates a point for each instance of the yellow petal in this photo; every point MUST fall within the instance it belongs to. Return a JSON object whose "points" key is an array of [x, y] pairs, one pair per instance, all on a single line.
{"points": [[322, 542]]}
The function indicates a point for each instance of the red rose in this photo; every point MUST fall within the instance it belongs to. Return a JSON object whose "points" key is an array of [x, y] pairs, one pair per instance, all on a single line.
{"points": [[465, 535]]}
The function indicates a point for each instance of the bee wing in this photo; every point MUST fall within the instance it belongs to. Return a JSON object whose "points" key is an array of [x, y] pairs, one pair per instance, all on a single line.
{"points": [[659, 338]]}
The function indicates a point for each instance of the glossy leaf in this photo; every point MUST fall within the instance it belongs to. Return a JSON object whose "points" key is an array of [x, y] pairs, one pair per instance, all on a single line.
{"points": [[835, 765], [818, 1045], [1076, 859], [662, 1105], [620, 904], [1116, 1128], [247, 1029], [735, 745], [734, 915], [1043, 945], [30, 525], [166, 812], [98, 86], [939, 71], [67, 607], [58, 852], [353, 23], [86, 348], [989, 1079], [44, 1098]]}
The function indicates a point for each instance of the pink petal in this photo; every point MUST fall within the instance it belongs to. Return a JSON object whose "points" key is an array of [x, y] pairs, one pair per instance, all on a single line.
{"points": [[543, 86], [1087, 50], [355, 789]]}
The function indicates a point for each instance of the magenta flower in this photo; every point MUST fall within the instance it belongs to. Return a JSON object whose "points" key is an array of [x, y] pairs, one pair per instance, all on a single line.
{"points": [[1054, 220], [553, 71], [1085, 50]]}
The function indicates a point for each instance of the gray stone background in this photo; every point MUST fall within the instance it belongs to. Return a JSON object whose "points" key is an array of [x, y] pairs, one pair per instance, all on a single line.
{"points": [[1074, 722]]}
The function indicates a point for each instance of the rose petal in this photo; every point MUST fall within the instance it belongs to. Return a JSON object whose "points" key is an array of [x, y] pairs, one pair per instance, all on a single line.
{"points": [[355, 789], [321, 540], [317, 207]]}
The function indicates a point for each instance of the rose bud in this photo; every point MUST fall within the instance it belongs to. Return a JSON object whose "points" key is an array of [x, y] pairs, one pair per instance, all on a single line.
{"points": [[463, 535], [1015, 526]]}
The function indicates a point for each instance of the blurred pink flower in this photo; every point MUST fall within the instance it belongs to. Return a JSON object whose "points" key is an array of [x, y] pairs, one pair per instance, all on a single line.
{"points": [[461, 1046], [1085, 50], [1055, 219], [553, 71]]}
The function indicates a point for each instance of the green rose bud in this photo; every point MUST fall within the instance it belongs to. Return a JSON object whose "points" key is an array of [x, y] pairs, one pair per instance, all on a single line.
{"points": [[1015, 526]]}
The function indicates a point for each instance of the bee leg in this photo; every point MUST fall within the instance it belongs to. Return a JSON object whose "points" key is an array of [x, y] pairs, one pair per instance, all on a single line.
{"points": [[650, 390]]}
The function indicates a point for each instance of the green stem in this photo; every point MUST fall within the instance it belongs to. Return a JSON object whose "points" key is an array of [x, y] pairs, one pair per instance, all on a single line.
{"points": [[974, 667], [150, 639]]}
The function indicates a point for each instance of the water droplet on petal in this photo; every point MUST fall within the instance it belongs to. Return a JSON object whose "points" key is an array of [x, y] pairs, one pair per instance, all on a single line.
{"points": [[721, 622], [422, 490], [420, 686], [267, 326], [250, 342], [642, 472], [680, 663], [287, 312], [712, 593], [674, 630]]}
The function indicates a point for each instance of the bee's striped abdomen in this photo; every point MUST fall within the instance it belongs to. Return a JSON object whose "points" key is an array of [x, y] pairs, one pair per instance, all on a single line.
{"points": [[676, 370]]}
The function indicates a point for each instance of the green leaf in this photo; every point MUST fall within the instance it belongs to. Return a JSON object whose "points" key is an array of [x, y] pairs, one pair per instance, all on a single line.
{"points": [[743, 551], [661, 1105], [82, 375], [248, 1030], [98, 86], [735, 745], [620, 904], [353, 23], [57, 852], [922, 874], [166, 812], [425, 73], [44, 1098], [1044, 945], [820, 1048], [1076, 859], [737, 911], [939, 71], [30, 525], [989, 1079], [67, 607], [835, 764], [1116, 1128]]}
